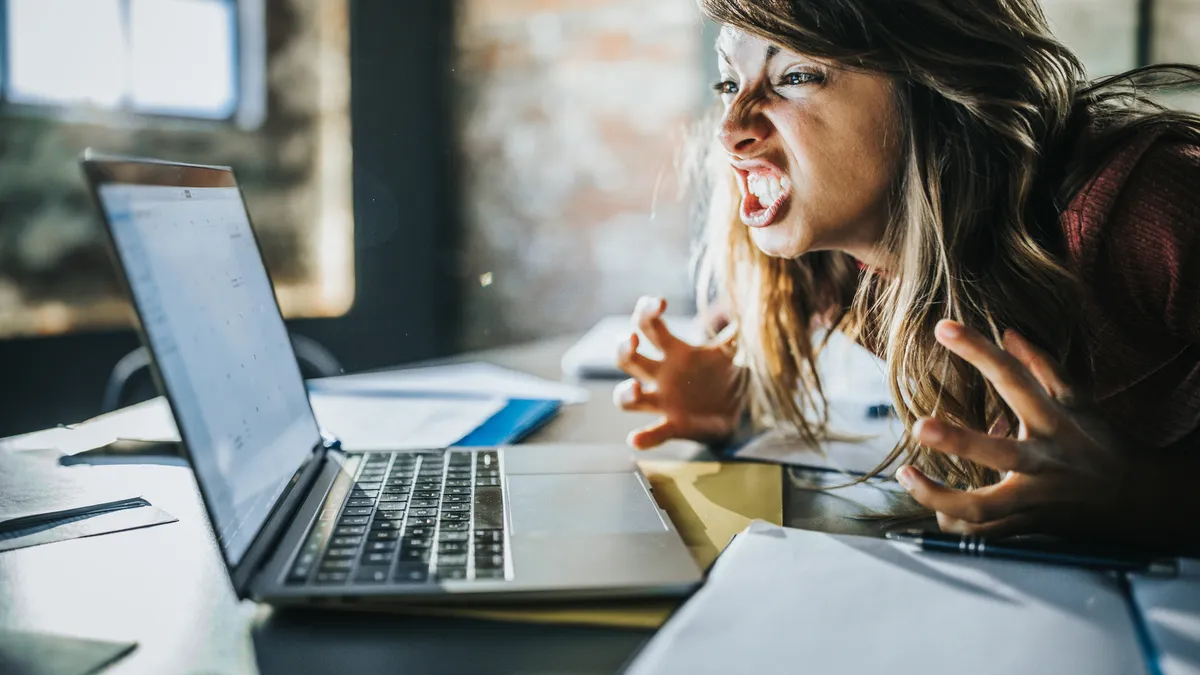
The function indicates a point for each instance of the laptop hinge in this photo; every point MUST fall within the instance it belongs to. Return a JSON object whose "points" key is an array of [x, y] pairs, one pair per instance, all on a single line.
{"points": [[281, 516]]}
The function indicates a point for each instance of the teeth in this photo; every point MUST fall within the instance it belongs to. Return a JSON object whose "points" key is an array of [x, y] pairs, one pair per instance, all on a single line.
{"points": [[768, 189]]}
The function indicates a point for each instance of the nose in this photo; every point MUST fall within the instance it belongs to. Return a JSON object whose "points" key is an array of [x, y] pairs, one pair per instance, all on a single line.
{"points": [[742, 130]]}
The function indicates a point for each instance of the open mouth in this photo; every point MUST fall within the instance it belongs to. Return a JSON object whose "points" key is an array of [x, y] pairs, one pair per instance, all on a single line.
{"points": [[764, 194]]}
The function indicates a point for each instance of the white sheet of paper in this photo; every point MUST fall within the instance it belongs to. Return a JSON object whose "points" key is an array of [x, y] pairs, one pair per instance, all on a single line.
{"points": [[853, 381], [465, 379], [1171, 609], [399, 423], [362, 422], [595, 354], [783, 601]]}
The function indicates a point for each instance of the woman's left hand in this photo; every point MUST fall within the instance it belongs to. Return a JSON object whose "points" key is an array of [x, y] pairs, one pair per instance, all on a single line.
{"points": [[1066, 472]]}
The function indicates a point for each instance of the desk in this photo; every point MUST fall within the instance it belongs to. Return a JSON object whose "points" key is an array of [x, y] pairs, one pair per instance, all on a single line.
{"points": [[165, 587]]}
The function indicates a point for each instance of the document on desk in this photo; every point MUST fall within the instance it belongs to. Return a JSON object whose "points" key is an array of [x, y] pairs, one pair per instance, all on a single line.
{"points": [[1170, 609], [474, 379], [42, 503], [361, 421], [856, 445], [782, 600]]}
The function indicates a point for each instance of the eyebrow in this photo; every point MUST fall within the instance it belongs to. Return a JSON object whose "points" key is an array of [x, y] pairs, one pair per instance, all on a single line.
{"points": [[772, 52]]}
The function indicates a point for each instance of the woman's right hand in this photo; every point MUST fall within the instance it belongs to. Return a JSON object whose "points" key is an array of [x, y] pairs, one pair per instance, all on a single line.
{"points": [[695, 390]]}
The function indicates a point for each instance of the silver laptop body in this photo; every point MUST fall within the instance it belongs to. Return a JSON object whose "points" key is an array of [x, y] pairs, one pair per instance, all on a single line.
{"points": [[301, 520]]}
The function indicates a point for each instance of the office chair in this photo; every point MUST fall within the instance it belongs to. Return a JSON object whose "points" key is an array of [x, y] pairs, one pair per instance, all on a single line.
{"points": [[130, 381]]}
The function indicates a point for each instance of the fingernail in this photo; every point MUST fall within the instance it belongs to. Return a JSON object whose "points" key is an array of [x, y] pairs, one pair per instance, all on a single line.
{"points": [[949, 330], [904, 477], [929, 431]]}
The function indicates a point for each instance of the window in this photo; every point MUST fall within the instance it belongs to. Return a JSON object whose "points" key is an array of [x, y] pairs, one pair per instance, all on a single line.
{"points": [[179, 58]]}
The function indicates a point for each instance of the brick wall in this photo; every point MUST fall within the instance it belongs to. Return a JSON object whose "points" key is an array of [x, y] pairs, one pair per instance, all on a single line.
{"points": [[572, 112]]}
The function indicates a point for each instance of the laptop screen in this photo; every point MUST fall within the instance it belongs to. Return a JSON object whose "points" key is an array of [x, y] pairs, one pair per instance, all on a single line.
{"points": [[209, 312]]}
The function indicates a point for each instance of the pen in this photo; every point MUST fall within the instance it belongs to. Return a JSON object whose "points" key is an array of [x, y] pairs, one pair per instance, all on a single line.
{"points": [[1035, 551]]}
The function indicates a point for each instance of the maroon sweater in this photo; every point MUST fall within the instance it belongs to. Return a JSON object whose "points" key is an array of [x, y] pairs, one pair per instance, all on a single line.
{"points": [[1133, 238]]}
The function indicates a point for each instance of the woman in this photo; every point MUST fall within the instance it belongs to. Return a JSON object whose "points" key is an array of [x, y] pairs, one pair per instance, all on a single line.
{"points": [[935, 179]]}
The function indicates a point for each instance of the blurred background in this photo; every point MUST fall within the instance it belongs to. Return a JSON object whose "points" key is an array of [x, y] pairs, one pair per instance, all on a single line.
{"points": [[426, 176]]}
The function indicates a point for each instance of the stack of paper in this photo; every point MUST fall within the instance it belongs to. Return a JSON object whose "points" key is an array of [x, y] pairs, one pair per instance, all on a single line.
{"points": [[784, 601]]}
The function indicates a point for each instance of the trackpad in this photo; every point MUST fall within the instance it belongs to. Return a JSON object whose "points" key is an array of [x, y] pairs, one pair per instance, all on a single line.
{"points": [[566, 504]]}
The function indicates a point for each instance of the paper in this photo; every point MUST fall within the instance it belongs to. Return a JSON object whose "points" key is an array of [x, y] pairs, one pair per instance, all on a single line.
{"points": [[372, 421], [34, 485], [86, 525], [28, 653], [595, 354], [391, 423], [781, 599], [709, 502], [474, 379], [1170, 609], [858, 446]]}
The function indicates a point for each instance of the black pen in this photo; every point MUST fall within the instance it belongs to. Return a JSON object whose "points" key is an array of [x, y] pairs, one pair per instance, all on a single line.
{"points": [[1035, 551]]}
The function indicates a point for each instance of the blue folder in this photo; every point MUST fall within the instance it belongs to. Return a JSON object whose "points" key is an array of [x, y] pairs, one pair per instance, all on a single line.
{"points": [[512, 423]]}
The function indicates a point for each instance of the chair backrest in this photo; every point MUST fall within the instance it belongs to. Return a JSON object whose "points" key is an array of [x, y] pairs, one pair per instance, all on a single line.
{"points": [[129, 381]]}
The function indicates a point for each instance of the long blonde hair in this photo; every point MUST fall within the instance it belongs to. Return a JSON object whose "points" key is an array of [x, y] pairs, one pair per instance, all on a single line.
{"points": [[993, 110]]}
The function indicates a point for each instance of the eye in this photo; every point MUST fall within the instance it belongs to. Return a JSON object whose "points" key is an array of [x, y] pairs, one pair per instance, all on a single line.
{"points": [[797, 78], [726, 87]]}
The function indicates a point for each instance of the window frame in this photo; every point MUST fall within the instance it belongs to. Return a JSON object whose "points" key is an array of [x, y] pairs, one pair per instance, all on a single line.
{"points": [[249, 81]]}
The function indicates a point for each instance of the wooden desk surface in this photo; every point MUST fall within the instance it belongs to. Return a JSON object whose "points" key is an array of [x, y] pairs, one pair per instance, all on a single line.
{"points": [[165, 587]]}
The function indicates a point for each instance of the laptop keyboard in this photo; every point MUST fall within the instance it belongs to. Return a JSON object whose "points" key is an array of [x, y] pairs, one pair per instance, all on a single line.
{"points": [[409, 518]]}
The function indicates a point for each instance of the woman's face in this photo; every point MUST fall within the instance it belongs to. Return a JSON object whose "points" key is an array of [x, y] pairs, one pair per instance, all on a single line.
{"points": [[814, 148]]}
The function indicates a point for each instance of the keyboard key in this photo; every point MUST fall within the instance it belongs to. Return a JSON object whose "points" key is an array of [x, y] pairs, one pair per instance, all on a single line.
{"points": [[452, 560], [455, 527], [411, 573], [393, 497], [389, 514], [367, 485], [489, 508], [346, 541], [420, 555], [381, 546], [414, 521], [455, 517], [456, 499], [426, 494], [418, 532], [336, 565], [354, 503], [453, 536], [364, 494], [384, 535], [488, 561], [421, 513], [456, 508], [349, 530], [332, 577], [451, 573], [487, 482], [423, 503], [299, 574], [349, 521], [489, 574], [458, 491], [489, 536], [485, 549], [376, 558], [415, 542], [375, 574], [382, 525], [341, 552], [358, 511], [449, 547], [392, 506], [455, 483]]}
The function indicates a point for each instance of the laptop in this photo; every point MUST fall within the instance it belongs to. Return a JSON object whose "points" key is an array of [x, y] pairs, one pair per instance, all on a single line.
{"points": [[301, 520]]}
